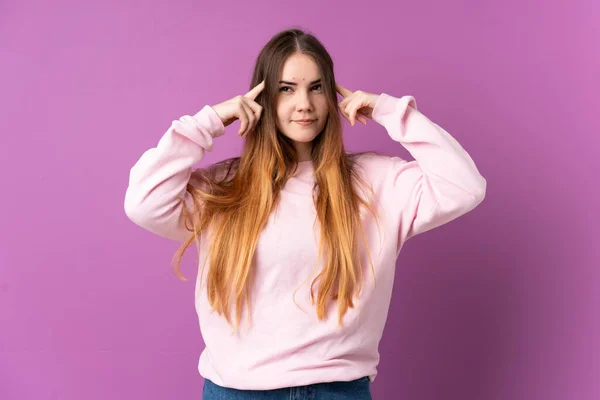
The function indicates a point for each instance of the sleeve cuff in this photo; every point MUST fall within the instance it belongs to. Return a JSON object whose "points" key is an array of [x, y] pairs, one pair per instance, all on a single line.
{"points": [[387, 105], [208, 118]]}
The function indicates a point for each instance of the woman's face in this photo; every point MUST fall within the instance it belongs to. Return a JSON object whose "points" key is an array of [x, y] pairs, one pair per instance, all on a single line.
{"points": [[300, 96]]}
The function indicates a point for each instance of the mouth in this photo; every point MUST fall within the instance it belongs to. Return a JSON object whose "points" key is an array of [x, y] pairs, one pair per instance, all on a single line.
{"points": [[304, 122]]}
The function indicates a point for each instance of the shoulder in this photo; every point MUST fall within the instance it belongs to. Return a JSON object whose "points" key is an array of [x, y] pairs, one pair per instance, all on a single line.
{"points": [[219, 171], [375, 165]]}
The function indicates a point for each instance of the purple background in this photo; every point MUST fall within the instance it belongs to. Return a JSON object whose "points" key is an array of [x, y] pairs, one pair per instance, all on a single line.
{"points": [[500, 304]]}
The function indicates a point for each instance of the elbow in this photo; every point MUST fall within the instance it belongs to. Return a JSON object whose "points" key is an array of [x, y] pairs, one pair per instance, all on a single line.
{"points": [[141, 215], [481, 190], [162, 220], [133, 208], [130, 211], [478, 192]]}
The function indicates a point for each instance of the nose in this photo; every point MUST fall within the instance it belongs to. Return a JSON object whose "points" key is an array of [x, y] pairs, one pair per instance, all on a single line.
{"points": [[303, 101]]}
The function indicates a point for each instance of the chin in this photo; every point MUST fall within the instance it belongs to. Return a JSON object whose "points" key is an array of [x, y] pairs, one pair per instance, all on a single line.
{"points": [[303, 138]]}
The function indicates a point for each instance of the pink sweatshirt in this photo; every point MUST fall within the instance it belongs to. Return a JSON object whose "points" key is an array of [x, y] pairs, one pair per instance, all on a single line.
{"points": [[285, 345]]}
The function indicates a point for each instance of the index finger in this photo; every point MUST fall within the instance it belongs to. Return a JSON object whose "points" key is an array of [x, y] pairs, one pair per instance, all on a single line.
{"points": [[342, 90], [255, 91]]}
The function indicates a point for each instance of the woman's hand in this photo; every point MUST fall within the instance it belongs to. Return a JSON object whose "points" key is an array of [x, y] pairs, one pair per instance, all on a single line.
{"points": [[359, 102], [243, 108]]}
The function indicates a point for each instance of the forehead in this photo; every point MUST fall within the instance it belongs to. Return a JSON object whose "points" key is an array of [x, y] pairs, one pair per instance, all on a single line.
{"points": [[298, 68]]}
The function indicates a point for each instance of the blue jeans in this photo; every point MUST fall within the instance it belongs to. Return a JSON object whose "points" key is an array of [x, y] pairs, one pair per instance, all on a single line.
{"points": [[358, 389]]}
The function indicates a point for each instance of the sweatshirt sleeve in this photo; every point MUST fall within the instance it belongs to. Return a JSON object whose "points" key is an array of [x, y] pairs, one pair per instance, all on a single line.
{"points": [[159, 178], [441, 184]]}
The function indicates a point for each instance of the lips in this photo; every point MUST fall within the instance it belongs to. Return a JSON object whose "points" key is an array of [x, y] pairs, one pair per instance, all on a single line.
{"points": [[304, 122], [307, 123]]}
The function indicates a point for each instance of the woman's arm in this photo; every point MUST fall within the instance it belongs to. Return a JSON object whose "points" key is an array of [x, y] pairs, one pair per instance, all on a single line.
{"points": [[159, 178], [441, 184]]}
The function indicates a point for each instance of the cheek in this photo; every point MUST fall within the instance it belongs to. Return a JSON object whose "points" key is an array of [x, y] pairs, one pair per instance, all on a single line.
{"points": [[322, 106], [323, 123], [280, 107], [283, 117], [323, 110]]}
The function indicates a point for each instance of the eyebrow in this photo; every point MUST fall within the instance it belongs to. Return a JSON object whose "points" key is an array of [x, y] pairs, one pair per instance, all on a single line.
{"points": [[295, 84]]}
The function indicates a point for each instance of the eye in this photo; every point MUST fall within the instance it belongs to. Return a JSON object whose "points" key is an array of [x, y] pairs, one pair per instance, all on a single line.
{"points": [[319, 86], [281, 89]]}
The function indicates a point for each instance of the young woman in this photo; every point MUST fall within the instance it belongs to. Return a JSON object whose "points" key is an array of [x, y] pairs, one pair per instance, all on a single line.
{"points": [[292, 207]]}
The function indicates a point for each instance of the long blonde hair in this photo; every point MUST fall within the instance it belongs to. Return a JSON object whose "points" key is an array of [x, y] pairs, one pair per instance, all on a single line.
{"points": [[238, 202]]}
